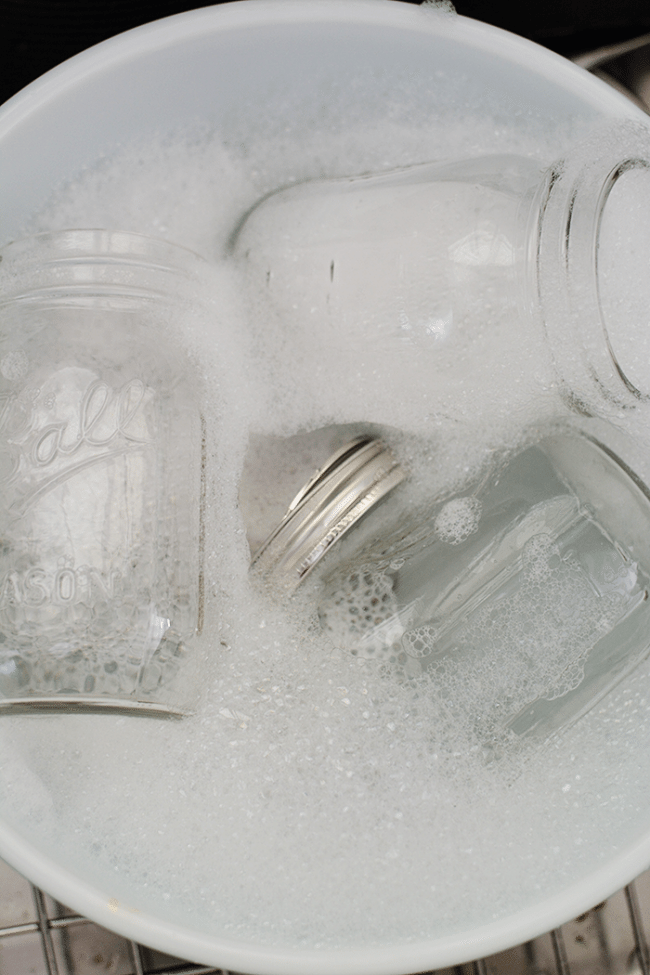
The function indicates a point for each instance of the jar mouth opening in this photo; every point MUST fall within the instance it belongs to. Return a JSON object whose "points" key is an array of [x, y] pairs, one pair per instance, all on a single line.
{"points": [[617, 242], [590, 245]]}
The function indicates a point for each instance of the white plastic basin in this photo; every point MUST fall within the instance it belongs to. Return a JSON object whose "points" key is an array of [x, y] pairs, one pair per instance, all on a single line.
{"points": [[212, 65]]}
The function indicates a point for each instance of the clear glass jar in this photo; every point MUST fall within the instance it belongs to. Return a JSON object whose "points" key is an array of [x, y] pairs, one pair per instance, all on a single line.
{"points": [[532, 584], [101, 467], [486, 269]]}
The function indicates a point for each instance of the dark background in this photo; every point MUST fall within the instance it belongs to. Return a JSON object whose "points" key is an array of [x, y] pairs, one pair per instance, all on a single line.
{"points": [[35, 35]]}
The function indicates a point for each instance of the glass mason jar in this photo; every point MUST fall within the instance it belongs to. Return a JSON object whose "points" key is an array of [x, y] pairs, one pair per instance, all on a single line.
{"points": [[101, 467], [457, 262], [531, 586]]}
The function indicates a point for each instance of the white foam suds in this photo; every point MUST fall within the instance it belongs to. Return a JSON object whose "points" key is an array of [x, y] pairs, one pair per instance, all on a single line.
{"points": [[458, 520], [311, 801]]}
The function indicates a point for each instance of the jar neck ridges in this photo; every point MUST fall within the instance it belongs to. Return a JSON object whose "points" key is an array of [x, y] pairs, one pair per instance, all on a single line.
{"points": [[565, 273], [81, 265]]}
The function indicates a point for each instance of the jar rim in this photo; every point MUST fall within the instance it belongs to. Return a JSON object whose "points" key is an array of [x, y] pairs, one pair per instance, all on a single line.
{"points": [[569, 212]]}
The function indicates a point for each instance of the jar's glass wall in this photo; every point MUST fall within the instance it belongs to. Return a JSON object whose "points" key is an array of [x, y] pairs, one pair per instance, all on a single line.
{"points": [[101, 465]]}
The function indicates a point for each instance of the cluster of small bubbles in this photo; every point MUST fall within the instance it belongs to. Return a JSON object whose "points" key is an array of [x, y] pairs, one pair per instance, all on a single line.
{"points": [[360, 611], [457, 520], [445, 7], [101, 668], [539, 557]]}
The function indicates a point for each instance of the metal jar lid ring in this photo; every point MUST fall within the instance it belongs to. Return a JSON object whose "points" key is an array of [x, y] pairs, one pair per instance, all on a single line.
{"points": [[351, 482]]}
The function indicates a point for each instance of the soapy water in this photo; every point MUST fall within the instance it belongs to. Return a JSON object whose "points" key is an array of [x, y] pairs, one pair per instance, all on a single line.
{"points": [[311, 800], [531, 644], [534, 642]]}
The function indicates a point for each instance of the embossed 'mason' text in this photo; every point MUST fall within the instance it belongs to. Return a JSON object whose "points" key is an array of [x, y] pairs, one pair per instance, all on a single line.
{"points": [[38, 587]]}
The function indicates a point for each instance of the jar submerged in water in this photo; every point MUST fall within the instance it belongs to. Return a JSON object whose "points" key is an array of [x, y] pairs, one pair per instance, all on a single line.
{"points": [[453, 278], [101, 467], [532, 585]]}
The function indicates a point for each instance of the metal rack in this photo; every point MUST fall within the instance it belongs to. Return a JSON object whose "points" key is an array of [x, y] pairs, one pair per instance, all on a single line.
{"points": [[39, 936]]}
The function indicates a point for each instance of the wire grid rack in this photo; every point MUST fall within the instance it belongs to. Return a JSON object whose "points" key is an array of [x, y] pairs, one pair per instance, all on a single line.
{"points": [[39, 936]]}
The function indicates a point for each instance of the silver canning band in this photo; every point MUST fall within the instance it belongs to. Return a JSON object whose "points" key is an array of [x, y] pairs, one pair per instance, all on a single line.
{"points": [[352, 481]]}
